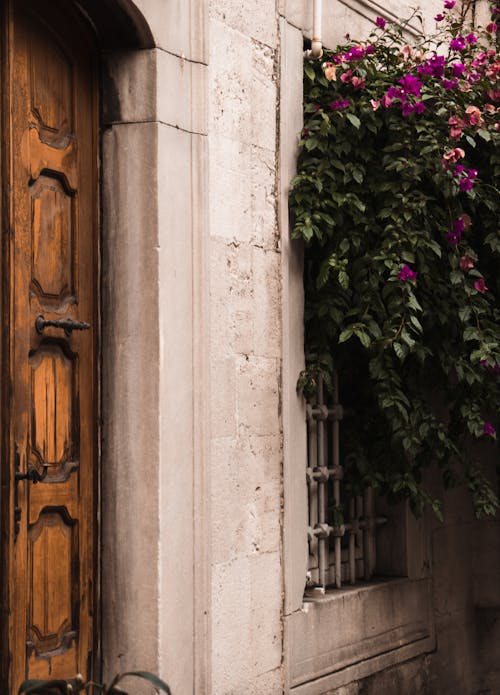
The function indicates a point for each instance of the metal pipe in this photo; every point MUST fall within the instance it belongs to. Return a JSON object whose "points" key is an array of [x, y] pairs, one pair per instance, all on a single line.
{"points": [[316, 50]]}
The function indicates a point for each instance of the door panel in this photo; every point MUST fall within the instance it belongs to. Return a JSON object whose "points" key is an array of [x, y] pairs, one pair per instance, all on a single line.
{"points": [[53, 400]]}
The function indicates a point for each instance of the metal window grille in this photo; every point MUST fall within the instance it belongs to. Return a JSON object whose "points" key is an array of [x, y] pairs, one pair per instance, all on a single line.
{"points": [[342, 531]]}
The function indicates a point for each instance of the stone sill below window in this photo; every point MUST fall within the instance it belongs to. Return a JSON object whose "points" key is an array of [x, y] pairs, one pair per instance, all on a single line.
{"points": [[349, 634]]}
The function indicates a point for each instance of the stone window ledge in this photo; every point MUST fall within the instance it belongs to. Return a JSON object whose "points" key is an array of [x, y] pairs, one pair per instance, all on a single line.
{"points": [[350, 634]]}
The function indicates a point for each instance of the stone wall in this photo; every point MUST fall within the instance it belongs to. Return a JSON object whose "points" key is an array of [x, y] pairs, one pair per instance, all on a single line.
{"points": [[204, 437], [245, 348]]}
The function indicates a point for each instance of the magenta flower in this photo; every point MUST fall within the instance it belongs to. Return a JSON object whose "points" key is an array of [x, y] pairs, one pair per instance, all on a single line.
{"points": [[434, 66], [458, 44], [457, 69], [406, 273], [410, 85], [380, 22], [407, 108], [489, 429], [450, 84], [419, 107], [466, 183], [449, 4], [491, 28], [492, 368], [480, 286], [339, 104], [355, 53], [455, 235], [439, 17], [453, 238], [471, 38], [395, 93]]}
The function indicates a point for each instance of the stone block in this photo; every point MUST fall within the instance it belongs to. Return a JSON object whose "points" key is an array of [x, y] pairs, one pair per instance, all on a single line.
{"points": [[230, 167], [242, 103], [178, 26], [181, 89], [223, 400], [129, 86], [254, 18], [257, 399]]}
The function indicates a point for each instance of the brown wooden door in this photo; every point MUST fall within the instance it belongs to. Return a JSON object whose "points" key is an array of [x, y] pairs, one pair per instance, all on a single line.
{"points": [[50, 162]]}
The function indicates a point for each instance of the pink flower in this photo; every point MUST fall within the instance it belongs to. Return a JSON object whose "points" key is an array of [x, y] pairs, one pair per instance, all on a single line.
{"points": [[491, 28], [386, 101], [406, 273], [456, 127], [489, 429], [466, 262], [480, 286], [346, 76], [380, 22], [330, 71], [375, 104], [473, 115], [358, 83], [452, 156]]}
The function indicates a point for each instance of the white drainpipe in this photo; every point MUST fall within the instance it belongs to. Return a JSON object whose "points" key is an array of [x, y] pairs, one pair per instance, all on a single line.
{"points": [[316, 50]]}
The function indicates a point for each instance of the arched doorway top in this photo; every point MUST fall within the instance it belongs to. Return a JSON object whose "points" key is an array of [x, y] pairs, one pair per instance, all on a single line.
{"points": [[119, 24]]}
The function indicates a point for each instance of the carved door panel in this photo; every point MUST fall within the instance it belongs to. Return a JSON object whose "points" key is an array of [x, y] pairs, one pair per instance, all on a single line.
{"points": [[52, 406]]}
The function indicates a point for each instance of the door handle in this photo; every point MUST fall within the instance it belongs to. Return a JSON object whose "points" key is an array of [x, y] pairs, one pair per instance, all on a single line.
{"points": [[68, 325], [33, 476]]}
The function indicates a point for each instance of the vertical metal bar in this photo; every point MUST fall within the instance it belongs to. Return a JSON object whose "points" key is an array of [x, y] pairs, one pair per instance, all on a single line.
{"points": [[322, 492], [369, 533], [360, 536], [312, 433], [336, 481], [352, 543]]}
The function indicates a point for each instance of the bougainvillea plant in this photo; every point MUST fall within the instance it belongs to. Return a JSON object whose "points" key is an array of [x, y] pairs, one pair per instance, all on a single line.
{"points": [[397, 199]]}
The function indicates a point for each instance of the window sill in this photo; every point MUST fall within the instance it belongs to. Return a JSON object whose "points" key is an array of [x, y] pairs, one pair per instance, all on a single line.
{"points": [[348, 634]]}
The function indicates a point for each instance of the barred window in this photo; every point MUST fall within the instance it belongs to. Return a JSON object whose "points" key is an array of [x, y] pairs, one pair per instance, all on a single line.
{"points": [[342, 530]]}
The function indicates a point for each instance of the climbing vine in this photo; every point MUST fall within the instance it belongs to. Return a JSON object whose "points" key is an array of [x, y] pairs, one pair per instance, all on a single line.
{"points": [[397, 199]]}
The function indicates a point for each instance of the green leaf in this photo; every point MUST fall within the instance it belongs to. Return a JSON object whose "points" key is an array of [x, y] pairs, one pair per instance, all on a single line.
{"points": [[345, 335], [400, 350], [309, 70], [484, 134], [353, 119]]}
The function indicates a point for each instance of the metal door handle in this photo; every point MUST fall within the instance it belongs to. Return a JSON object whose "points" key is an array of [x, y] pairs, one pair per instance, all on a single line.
{"points": [[32, 474], [67, 324]]}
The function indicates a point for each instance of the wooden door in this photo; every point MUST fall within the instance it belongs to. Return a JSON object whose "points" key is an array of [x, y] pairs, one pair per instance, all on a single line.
{"points": [[50, 343]]}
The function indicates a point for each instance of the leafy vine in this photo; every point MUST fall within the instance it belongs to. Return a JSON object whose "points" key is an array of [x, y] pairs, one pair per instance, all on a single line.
{"points": [[396, 199]]}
